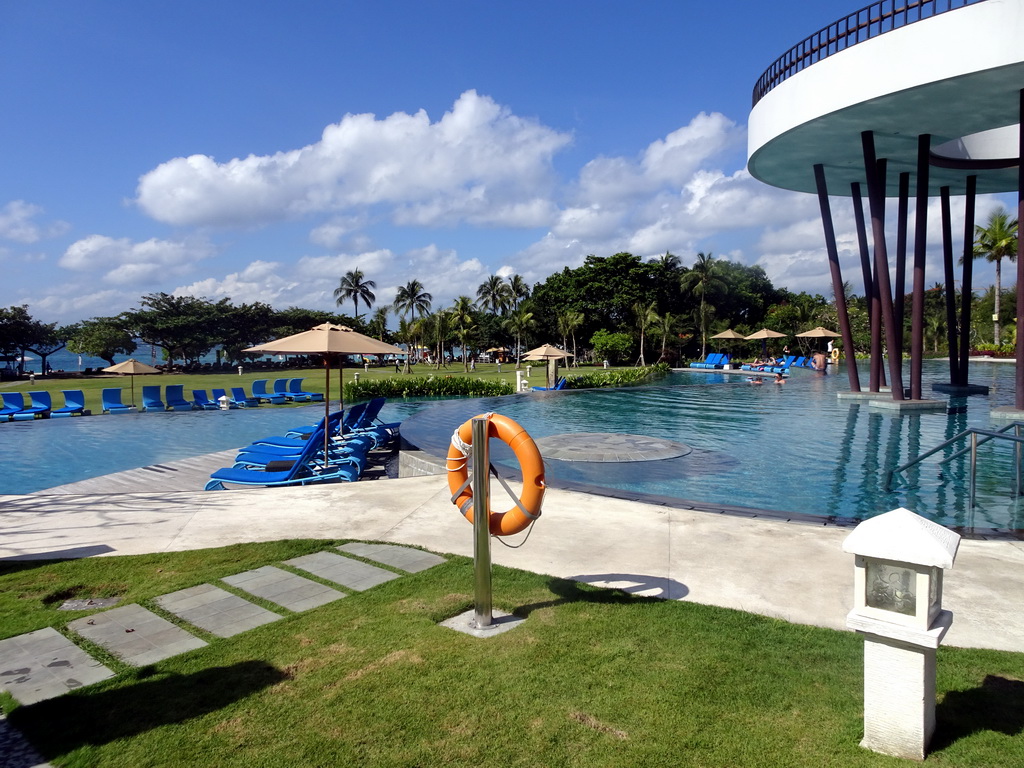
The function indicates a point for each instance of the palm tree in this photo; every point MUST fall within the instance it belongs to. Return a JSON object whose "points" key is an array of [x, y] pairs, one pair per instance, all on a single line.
{"points": [[494, 295], [519, 289], [664, 325], [379, 322], [568, 321], [646, 316], [464, 322], [519, 322], [353, 286], [701, 278], [996, 241], [412, 299]]}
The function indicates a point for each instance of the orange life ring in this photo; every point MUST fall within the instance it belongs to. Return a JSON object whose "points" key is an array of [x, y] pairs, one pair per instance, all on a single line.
{"points": [[835, 355], [527, 507]]}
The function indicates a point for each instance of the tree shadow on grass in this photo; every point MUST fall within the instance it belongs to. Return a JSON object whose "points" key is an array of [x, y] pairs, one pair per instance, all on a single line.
{"points": [[98, 715], [995, 705], [579, 589]]}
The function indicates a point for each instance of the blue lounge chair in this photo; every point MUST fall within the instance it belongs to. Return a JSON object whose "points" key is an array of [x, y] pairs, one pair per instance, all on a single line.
{"points": [[354, 450], [560, 384], [350, 419], [301, 471], [217, 394], [111, 399], [333, 428], [711, 361], [74, 404], [15, 407], [281, 388], [202, 401], [242, 400], [296, 391], [151, 398], [176, 401], [11, 406], [259, 391]]}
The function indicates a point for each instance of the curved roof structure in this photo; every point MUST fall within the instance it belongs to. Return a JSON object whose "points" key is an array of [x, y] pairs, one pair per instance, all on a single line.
{"points": [[956, 76]]}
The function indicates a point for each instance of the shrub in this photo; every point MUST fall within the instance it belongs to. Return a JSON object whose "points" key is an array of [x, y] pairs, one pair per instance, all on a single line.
{"points": [[426, 386], [622, 378]]}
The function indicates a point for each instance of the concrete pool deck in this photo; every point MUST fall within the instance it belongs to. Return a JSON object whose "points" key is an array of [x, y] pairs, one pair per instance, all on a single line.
{"points": [[792, 571]]}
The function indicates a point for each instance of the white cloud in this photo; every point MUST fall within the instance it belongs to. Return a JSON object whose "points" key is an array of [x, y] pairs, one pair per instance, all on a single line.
{"points": [[124, 262], [16, 223], [479, 162]]}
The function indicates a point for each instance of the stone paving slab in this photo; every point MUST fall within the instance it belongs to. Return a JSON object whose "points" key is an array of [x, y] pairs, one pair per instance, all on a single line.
{"points": [[215, 610], [44, 664], [342, 570], [135, 635], [406, 558], [289, 590]]}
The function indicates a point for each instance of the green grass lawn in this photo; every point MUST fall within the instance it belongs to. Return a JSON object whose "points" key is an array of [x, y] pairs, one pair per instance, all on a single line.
{"points": [[314, 380], [592, 678]]}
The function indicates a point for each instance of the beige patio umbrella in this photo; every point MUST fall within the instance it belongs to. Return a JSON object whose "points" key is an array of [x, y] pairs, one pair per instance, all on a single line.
{"points": [[328, 339], [550, 354], [729, 335], [131, 366], [819, 333], [764, 334]]}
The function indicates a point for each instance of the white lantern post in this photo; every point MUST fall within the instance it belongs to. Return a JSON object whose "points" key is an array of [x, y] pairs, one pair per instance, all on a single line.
{"points": [[898, 569]]}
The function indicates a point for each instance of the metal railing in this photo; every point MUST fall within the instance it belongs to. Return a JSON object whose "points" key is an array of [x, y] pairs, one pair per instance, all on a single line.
{"points": [[1017, 438], [869, 22]]}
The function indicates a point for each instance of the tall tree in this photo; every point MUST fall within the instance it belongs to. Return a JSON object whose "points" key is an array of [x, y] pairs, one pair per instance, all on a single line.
{"points": [[101, 337], [494, 295], [412, 299], [354, 286], [996, 241], [520, 322], [700, 280], [519, 289], [646, 317], [464, 323], [378, 325]]}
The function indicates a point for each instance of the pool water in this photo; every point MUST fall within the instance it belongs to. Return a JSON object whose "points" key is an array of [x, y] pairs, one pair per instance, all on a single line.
{"points": [[792, 448], [49, 452]]}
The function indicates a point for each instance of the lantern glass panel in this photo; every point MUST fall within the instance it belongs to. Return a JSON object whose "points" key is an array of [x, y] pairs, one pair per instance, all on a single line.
{"points": [[891, 588]]}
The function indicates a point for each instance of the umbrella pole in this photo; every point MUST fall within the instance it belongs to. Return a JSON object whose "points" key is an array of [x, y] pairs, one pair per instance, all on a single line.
{"points": [[327, 406]]}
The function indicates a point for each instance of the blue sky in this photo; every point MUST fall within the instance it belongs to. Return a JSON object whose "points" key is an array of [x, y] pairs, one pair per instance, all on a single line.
{"points": [[261, 150]]}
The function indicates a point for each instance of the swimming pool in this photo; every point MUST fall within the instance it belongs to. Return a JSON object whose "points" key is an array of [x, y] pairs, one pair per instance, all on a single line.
{"points": [[792, 448], [45, 453]]}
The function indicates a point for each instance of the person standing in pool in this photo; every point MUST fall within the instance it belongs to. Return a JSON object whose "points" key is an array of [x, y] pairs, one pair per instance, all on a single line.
{"points": [[818, 362]]}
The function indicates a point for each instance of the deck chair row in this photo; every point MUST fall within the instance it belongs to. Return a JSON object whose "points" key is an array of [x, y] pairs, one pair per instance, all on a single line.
{"points": [[40, 405], [173, 399]]}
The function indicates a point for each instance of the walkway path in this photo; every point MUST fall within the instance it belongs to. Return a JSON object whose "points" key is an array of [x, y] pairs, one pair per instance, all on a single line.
{"points": [[793, 571]]}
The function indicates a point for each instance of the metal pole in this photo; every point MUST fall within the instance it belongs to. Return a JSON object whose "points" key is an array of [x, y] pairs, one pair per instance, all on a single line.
{"points": [[875, 171], [920, 243], [1016, 456], [837, 277], [967, 289], [481, 524], [947, 262], [974, 468]]}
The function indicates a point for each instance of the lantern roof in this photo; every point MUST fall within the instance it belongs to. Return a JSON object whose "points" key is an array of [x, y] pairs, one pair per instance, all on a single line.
{"points": [[905, 537]]}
